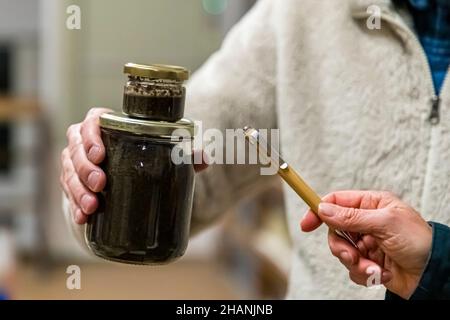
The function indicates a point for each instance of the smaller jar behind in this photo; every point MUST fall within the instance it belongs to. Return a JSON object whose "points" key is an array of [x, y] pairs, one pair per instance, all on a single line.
{"points": [[155, 92]]}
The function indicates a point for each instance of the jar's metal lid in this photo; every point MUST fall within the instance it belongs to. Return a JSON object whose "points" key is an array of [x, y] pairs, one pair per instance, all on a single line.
{"points": [[183, 128], [157, 71]]}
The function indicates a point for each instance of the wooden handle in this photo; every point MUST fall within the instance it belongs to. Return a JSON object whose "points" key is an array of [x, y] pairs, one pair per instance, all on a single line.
{"points": [[308, 195]]}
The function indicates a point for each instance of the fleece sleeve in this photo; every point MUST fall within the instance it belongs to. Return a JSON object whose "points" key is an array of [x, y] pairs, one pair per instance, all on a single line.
{"points": [[234, 88]]}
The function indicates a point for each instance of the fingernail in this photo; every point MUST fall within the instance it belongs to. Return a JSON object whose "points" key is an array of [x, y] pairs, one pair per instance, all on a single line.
{"points": [[93, 179], [85, 202], [93, 152], [327, 209], [346, 257]]}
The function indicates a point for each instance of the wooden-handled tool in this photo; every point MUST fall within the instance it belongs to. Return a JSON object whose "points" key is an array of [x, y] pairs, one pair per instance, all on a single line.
{"points": [[289, 175]]}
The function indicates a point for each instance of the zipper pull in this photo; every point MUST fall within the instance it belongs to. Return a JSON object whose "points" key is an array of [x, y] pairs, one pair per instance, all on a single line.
{"points": [[435, 117]]}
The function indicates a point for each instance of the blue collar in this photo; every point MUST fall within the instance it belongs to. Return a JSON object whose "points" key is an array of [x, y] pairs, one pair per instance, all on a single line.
{"points": [[432, 24], [425, 4]]}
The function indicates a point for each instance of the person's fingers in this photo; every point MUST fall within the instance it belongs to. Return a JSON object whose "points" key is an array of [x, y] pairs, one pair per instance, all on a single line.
{"points": [[78, 216], [74, 209], [67, 170], [85, 199], [341, 249], [369, 242], [200, 160], [310, 222], [346, 198], [91, 135], [91, 175], [369, 248], [362, 248], [362, 199], [368, 273], [377, 256], [352, 219], [73, 135], [82, 201], [74, 189], [362, 271]]}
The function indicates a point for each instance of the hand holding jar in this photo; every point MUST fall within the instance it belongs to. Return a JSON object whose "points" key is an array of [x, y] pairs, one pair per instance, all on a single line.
{"points": [[119, 167]]}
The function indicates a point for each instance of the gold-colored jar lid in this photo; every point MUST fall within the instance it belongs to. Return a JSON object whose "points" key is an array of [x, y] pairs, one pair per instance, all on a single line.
{"points": [[161, 129], [157, 71]]}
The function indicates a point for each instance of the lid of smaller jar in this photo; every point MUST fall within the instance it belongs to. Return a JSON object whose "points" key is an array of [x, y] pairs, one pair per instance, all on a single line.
{"points": [[121, 122], [157, 71]]}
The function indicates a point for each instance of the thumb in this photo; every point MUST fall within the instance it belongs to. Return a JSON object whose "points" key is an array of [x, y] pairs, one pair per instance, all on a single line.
{"points": [[350, 219]]}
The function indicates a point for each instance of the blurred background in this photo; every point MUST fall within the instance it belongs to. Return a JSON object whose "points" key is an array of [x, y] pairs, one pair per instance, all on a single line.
{"points": [[49, 77]]}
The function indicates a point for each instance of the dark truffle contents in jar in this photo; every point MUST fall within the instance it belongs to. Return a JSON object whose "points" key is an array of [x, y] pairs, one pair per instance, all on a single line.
{"points": [[156, 100], [145, 208]]}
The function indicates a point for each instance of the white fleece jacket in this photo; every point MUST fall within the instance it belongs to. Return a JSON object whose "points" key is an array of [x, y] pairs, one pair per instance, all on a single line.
{"points": [[352, 105]]}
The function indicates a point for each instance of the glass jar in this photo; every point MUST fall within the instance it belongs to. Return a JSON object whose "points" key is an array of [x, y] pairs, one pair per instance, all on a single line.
{"points": [[145, 208], [155, 92]]}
